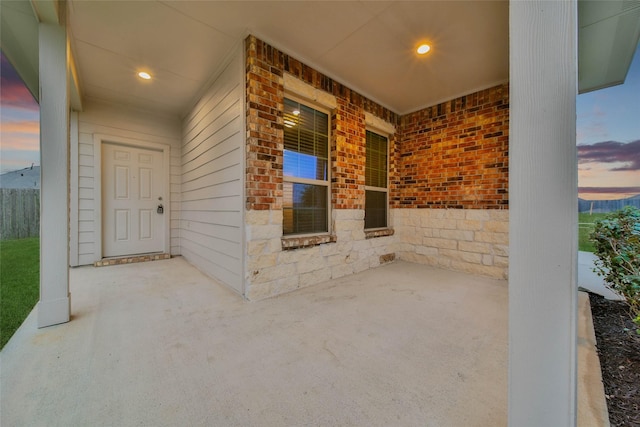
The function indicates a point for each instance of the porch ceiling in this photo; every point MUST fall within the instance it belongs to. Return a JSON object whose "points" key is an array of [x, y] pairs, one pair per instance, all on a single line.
{"points": [[368, 45]]}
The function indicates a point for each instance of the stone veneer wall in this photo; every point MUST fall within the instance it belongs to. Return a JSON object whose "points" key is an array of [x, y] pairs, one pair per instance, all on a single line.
{"points": [[474, 241], [450, 192], [470, 240], [272, 270]]}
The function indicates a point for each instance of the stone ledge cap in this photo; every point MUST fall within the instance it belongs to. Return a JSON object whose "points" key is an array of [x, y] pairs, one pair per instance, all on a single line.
{"points": [[371, 234], [289, 243]]}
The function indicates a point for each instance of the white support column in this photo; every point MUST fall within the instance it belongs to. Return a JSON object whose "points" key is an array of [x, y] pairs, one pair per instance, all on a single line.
{"points": [[54, 305], [543, 213]]}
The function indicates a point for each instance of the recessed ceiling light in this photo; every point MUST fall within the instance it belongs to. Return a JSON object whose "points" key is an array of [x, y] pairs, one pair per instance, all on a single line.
{"points": [[423, 48], [144, 75]]}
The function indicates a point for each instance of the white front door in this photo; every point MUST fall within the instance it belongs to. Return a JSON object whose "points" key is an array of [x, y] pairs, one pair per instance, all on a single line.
{"points": [[133, 200]]}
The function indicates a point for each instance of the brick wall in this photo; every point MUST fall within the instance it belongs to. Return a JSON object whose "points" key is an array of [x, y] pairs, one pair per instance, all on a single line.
{"points": [[455, 154], [275, 265], [348, 155], [265, 96], [265, 135]]}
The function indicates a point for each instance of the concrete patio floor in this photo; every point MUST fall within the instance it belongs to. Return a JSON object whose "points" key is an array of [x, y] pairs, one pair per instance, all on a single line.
{"points": [[159, 343]]}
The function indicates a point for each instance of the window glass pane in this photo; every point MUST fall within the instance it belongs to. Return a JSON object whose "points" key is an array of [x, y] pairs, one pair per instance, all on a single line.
{"points": [[375, 209], [321, 124], [306, 141], [304, 166], [376, 167], [304, 208]]}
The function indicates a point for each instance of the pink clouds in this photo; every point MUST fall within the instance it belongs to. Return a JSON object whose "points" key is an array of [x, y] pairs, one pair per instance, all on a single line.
{"points": [[20, 123], [12, 90], [610, 190], [609, 170], [16, 96], [21, 135], [31, 127], [623, 156]]}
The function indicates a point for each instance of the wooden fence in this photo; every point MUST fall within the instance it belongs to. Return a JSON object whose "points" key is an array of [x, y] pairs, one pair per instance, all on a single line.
{"points": [[20, 213], [606, 206]]}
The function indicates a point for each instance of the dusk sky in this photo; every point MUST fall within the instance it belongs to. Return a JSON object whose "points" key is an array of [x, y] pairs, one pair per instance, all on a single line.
{"points": [[19, 122], [608, 133], [608, 137]]}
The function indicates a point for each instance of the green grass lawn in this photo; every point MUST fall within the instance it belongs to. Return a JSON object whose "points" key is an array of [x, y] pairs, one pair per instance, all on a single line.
{"points": [[585, 227], [19, 283]]}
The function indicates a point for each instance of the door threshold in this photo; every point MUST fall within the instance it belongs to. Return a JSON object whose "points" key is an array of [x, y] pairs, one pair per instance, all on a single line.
{"points": [[131, 259]]}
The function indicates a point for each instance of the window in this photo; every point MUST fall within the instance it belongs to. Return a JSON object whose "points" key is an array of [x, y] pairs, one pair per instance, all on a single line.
{"points": [[375, 205], [306, 170]]}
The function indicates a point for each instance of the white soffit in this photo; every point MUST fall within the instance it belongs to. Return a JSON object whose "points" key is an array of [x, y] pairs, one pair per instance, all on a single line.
{"points": [[20, 44], [469, 51], [366, 45], [608, 36], [19, 41]]}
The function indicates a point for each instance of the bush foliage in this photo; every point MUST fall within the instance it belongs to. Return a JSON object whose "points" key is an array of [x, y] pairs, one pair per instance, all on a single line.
{"points": [[616, 239]]}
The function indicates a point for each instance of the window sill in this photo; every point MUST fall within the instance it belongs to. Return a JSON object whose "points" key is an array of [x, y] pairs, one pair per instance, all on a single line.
{"points": [[372, 234], [289, 243]]}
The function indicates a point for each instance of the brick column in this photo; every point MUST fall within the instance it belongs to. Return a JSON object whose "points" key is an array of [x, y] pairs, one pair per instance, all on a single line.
{"points": [[348, 156], [265, 135]]}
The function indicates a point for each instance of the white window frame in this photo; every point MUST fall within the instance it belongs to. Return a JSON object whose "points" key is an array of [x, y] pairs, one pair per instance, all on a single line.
{"points": [[378, 189], [295, 180]]}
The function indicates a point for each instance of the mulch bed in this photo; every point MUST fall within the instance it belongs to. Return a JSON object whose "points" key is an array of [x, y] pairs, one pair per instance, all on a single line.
{"points": [[619, 352]]}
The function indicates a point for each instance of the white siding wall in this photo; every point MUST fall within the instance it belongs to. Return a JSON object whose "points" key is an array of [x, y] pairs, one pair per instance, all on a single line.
{"points": [[109, 119], [212, 179]]}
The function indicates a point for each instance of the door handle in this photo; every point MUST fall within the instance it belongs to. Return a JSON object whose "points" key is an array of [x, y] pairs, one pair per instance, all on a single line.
{"points": [[160, 209]]}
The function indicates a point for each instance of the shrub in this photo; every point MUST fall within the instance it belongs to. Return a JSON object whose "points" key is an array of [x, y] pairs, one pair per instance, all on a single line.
{"points": [[616, 240]]}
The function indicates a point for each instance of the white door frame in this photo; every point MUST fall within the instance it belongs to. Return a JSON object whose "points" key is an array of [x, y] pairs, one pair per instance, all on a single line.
{"points": [[98, 140]]}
